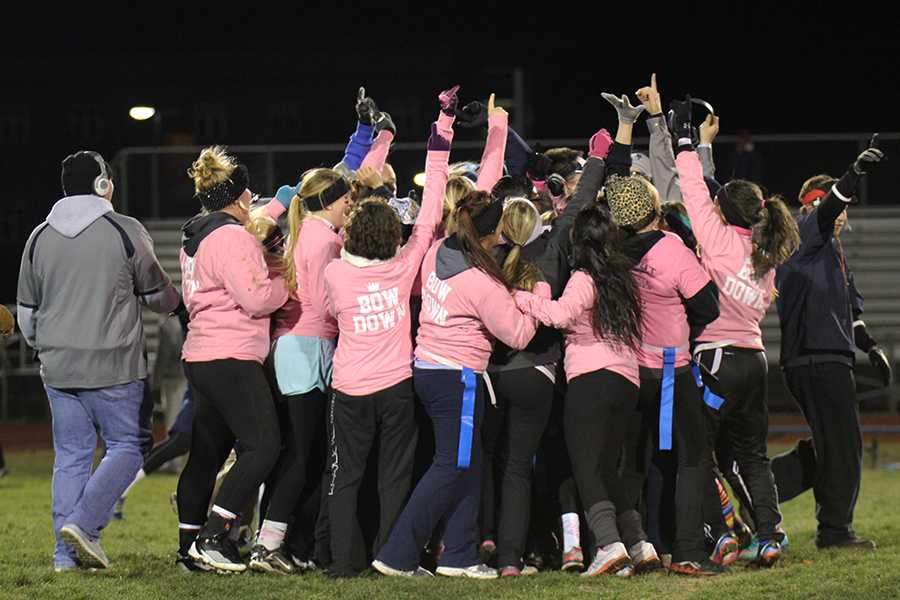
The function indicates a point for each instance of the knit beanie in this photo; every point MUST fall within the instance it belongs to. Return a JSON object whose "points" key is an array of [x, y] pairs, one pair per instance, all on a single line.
{"points": [[225, 193]]}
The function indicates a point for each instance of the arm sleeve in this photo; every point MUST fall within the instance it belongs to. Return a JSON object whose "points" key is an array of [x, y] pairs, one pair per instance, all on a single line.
{"points": [[662, 160], [275, 209], [377, 155], [706, 159], [319, 262], [517, 153], [491, 169], [835, 202], [246, 277], [151, 282], [578, 297], [703, 307], [618, 162], [358, 146], [497, 310], [714, 236], [26, 319]]}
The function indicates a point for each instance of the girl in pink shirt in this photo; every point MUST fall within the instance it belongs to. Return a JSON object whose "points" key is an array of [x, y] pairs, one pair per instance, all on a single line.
{"points": [[742, 239], [229, 294], [466, 304], [368, 292]]}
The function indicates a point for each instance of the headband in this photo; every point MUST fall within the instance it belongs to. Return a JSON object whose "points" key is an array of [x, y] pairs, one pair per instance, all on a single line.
{"points": [[487, 220], [730, 211], [328, 196], [538, 225], [225, 193], [813, 197]]}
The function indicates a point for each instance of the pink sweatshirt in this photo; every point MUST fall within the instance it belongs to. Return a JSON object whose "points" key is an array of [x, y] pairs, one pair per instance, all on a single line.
{"points": [[371, 298], [229, 296], [491, 169], [668, 274], [462, 314], [725, 254], [377, 154], [318, 245], [585, 352]]}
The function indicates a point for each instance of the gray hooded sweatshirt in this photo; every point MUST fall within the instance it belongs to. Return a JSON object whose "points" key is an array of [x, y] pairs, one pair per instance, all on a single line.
{"points": [[85, 273]]}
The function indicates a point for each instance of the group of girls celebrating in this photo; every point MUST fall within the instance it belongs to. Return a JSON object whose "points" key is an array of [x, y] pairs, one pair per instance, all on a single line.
{"points": [[539, 356]]}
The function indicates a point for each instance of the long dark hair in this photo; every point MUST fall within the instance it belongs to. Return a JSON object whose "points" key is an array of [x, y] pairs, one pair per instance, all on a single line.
{"points": [[596, 250], [472, 205]]}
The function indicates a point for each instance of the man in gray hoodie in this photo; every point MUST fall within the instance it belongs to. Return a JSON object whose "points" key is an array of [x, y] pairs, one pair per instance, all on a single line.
{"points": [[85, 274]]}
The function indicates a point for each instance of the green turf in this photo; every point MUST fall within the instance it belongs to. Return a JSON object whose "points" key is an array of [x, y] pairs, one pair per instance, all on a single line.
{"points": [[141, 550]]}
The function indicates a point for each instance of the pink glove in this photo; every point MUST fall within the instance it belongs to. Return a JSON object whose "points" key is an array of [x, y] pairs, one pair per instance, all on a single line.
{"points": [[600, 144], [448, 100]]}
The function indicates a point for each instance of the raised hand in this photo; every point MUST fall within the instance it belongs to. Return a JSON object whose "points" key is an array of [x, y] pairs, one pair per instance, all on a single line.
{"points": [[649, 97], [681, 127], [365, 107], [473, 114], [448, 100], [709, 129], [599, 144], [494, 110], [627, 113], [868, 160], [369, 177], [383, 121]]}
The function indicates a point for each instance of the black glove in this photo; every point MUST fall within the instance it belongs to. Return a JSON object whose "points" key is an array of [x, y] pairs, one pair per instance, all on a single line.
{"points": [[869, 158], [473, 114], [383, 121], [879, 361], [365, 108], [538, 166], [556, 185], [680, 118], [183, 317]]}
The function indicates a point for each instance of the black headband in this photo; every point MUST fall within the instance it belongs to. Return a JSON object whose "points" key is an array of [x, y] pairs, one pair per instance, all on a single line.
{"points": [[570, 169], [487, 220], [730, 211], [327, 196], [225, 193]]}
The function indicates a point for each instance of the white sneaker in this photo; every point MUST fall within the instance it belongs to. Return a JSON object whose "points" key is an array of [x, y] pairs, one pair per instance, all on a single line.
{"points": [[88, 551], [390, 571], [644, 557], [608, 559], [479, 571]]}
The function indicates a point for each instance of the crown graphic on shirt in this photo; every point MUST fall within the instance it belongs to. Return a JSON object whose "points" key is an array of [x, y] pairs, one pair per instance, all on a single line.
{"points": [[373, 287]]}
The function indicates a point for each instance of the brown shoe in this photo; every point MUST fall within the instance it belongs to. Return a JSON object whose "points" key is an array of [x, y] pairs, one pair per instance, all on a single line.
{"points": [[854, 543]]}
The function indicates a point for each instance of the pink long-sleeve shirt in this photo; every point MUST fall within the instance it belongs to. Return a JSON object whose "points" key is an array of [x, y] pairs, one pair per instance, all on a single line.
{"points": [[463, 314], [229, 295], [370, 299], [725, 254], [377, 154], [585, 351], [305, 313], [668, 274], [491, 169]]}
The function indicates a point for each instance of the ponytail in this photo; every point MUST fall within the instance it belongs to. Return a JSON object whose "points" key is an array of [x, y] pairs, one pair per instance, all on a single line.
{"points": [[775, 237], [296, 214], [470, 206], [518, 225]]}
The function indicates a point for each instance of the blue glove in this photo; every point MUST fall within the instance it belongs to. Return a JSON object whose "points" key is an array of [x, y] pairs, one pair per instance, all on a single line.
{"points": [[286, 193]]}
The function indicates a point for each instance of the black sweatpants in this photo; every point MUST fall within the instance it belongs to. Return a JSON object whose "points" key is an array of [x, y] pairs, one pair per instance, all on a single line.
{"points": [[741, 425], [598, 406], [355, 424], [524, 400], [301, 418], [232, 401], [830, 463], [693, 456]]}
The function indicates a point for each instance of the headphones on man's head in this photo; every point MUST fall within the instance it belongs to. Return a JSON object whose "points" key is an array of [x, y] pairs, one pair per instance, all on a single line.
{"points": [[102, 182]]}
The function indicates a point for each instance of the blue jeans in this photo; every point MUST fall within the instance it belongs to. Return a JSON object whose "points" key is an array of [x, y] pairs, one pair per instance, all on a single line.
{"points": [[79, 496]]}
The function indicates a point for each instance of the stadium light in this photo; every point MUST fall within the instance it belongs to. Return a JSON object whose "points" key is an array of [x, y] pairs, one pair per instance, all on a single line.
{"points": [[419, 179], [142, 113]]}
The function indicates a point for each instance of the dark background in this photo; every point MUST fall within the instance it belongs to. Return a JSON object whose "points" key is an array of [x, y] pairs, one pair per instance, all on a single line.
{"points": [[251, 75]]}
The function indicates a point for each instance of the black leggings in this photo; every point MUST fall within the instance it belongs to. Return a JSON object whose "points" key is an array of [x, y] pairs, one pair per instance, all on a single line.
{"points": [[692, 468], [177, 444], [738, 433], [233, 401], [598, 406], [302, 418]]}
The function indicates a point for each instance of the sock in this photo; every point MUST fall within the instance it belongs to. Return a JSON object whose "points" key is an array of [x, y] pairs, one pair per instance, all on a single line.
{"points": [[234, 533], [140, 475], [186, 536], [271, 534], [571, 527], [727, 506]]}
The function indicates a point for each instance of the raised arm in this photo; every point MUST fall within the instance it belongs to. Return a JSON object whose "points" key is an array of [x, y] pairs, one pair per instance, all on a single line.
{"points": [[619, 160], [579, 296], [714, 236], [491, 169], [662, 157], [709, 129], [361, 139]]}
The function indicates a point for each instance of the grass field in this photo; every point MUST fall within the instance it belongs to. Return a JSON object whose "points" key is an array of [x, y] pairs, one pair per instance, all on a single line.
{"points": [[141, 549]]}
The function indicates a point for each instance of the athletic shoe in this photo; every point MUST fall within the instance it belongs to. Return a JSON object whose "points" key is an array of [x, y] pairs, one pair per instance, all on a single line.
{"points": [[390, 571], [479, 571], [188, 565], [64, 567], [726, 550], [529, 570], [644, 558], [850, 543], [608, 559], [751, 551], [573, 560], [303, 565], [487, 551], [119, 510], [263, 560], [218, 552], [625, 572], [517, 572], [89, 552], [769, 553], [692, 568]]}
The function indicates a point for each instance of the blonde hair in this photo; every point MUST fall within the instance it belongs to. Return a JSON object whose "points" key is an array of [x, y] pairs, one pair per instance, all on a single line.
{"points": [[458, 187], [261, 225], [314, 182], [211, 168], [519, 220]]}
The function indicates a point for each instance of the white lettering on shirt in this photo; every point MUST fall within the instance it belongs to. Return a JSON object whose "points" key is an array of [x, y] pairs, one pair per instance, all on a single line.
{"points": [[744, 291], [379, 310]]}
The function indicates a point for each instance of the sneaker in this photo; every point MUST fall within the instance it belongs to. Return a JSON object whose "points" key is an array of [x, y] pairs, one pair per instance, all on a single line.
{"points": [[626, 571], [303, 565], [768, 554], [608, 559], [573, 560], [390, 571], [692, 568], [510, 572], [89, 552], [751, 551], [644, 558], [263, 560], [119, 510], [487, 551], [726, 550], [529, 570], [850, 543], [479, 571], [218, 552], [188, 565], [63, 567]]}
